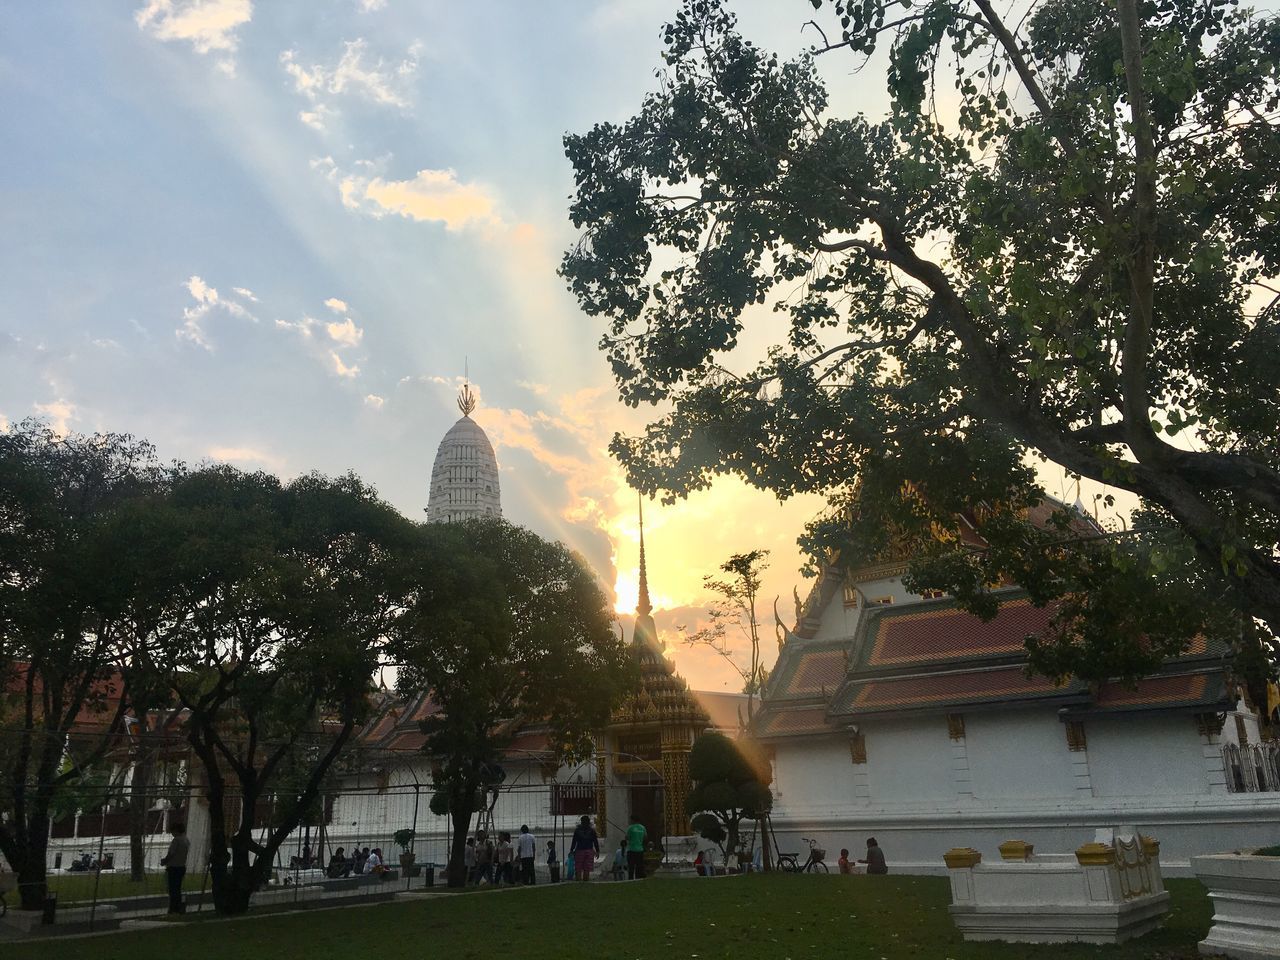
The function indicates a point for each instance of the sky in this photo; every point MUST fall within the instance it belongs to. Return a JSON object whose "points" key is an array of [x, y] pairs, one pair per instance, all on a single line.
{"points": [[276, 234]]}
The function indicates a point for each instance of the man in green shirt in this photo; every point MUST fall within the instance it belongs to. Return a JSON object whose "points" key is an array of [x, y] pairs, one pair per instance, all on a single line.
{"points": [[635, 849]]}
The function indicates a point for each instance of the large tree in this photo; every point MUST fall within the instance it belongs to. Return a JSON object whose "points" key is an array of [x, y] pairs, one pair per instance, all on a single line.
{"points": [[503, 627], [730, 784], [1057, 244], [65, 585], [271, 653]]}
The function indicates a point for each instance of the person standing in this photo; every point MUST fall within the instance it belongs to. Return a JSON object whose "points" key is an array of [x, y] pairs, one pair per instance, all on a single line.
{"points": [[506, 856], [636, 836], [526, 850], [583, 848], [175, 865], [875, 858]]}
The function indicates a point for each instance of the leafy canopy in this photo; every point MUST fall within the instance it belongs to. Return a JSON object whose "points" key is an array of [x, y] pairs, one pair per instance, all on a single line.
{"points": [[1069, 258]]}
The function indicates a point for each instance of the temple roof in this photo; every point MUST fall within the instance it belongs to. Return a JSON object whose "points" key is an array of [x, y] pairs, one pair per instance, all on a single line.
{"points": [[931, 657]]}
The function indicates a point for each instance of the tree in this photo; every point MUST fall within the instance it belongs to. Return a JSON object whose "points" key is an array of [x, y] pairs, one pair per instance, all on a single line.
{"points": [[64, 586], [736, 608], [1073, 264], [276, 648], [730, 784], [503, 627]]}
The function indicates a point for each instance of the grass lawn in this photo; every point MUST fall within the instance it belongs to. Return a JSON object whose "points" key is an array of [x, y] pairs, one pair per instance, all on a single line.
{"points": [[752, 918], [71, 888]]}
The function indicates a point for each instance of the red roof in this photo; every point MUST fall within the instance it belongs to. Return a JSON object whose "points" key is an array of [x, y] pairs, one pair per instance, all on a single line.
{"points": [[955, 688], [933, 634]]}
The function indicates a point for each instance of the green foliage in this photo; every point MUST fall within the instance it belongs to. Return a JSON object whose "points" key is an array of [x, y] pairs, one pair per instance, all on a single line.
{"points": [[66, 583], [735, 610], [1075, 264], [404, 838], [502, 626], [730, 784]]}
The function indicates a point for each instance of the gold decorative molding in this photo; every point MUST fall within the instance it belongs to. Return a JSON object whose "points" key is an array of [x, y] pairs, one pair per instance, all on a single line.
{"points": [[955, 726], [961, 858], [1016, 850], [1095, 855], [858, 747], [1151, 847], [1076, 740]]}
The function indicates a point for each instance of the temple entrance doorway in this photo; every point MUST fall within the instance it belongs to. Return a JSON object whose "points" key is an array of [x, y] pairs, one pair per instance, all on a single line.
{"points": [[646, 803]]}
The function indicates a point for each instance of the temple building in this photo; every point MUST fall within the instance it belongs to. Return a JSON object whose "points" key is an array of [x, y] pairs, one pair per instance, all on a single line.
{"points": [[464, 477], [898, 715]]}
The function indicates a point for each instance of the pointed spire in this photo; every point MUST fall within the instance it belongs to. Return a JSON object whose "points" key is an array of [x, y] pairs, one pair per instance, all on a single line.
{"points": [[644, 607], [646, 631]]}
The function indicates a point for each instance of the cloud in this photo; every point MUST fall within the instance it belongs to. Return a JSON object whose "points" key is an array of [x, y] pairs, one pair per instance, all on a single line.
{"points": [[340, 368], [354, 74], [206, 301], [345, 333], [435, 196], [245, 294], [537, 389], [336, 305], [208, 25], [4, 423], [301, 327], [246, 455], [59, 413], [314, 118], [369, 6], [375, 401]]}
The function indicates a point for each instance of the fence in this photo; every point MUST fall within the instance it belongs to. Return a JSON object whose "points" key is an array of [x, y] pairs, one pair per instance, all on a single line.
{"points": [[1253, 767], [90, 853]]}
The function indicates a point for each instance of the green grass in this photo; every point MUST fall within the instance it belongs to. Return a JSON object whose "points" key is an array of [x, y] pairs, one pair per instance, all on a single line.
{"points": [[753, 918], [72, 888]]}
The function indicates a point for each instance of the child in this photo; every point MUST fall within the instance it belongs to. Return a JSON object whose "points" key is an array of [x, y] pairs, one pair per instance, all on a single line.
{"points": [[620, 861], [845, 865]]}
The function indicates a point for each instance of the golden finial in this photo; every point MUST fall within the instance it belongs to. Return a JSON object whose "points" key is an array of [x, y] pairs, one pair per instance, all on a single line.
{"points": [[466, 399]]}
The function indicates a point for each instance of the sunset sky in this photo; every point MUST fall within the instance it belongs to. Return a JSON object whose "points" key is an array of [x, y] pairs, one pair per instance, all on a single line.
{"points": [[273, 233]]}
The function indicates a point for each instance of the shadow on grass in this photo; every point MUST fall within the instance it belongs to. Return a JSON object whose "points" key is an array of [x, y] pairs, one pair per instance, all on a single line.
{"points": [[771, 917]]}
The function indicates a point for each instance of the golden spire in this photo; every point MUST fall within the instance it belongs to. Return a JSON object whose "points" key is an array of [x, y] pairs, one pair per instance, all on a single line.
{"points": [[643, 607]]}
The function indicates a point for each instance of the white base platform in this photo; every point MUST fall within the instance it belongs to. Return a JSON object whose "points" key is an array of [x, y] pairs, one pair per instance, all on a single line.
{"points": [[1109, 924], [1245, 892]]}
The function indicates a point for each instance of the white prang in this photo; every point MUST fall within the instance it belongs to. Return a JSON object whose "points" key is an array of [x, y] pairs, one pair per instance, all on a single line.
{"points": [[464, 479]]}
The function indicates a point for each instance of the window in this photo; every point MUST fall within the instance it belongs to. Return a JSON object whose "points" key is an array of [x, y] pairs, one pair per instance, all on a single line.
{"points": [[880, 601], [932, 594], [850, 594]]}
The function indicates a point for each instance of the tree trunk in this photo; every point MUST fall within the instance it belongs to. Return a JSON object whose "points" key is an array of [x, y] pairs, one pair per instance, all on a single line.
{"points": [[457, 870], [138, 810]]}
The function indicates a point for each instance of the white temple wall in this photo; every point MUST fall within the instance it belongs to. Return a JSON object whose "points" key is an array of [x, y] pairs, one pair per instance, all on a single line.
{"points": [[814, 778], [909, 761], [1018, 753], [1145, 756]]}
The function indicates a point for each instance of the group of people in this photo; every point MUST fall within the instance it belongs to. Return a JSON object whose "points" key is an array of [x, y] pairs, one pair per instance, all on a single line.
{"points": [[874, 860], [511, 861], [362, 861], [505, 861]]}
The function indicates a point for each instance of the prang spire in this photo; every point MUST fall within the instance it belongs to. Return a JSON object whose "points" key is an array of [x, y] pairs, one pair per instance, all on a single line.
{"points": [[643, 607]]}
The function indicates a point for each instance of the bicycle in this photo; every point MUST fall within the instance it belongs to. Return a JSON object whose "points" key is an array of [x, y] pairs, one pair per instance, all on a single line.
{"points": [[790, 862]]}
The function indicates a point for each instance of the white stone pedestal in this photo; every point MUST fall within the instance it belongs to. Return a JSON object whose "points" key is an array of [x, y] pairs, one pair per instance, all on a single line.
{"points": [[1245, 891], [678, 854], [1103, 893]]}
